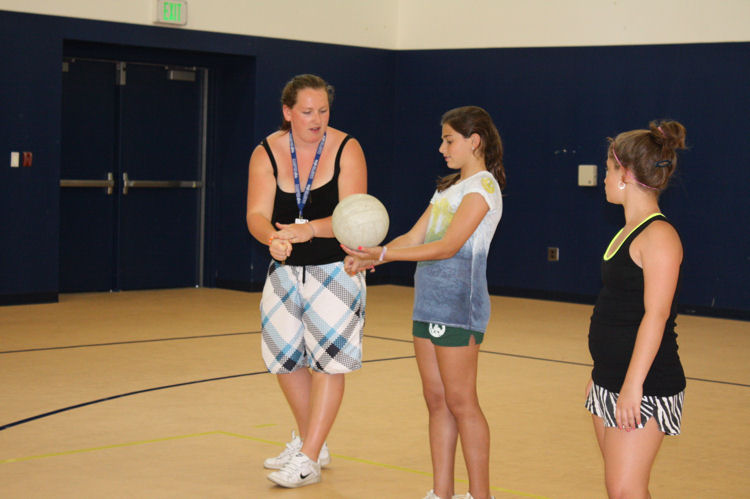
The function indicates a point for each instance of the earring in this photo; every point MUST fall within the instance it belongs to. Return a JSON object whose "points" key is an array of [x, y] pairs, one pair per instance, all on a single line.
{"points": [[621, 185]]}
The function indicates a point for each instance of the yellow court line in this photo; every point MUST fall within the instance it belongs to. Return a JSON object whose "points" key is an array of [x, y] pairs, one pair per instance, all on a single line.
{"points": [[105, 447], [386, 466], [246, 437]]}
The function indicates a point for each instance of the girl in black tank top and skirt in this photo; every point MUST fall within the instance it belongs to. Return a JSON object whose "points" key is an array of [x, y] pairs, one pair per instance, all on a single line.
{"points": [[637, 385], [614, 326]]}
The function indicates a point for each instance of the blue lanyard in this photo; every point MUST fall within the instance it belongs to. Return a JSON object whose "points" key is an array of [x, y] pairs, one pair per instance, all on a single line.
{"points": [[302, 199]]}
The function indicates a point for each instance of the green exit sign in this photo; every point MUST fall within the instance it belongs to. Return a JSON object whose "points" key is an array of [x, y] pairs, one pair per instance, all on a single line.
{"points": [[171, 12]]}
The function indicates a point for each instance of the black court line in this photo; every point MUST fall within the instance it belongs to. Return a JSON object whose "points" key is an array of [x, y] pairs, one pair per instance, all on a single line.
{"points": [[218, 335], [153, 340], [387, 338], [569, 362], [51, 413], [531, 357], [584, 364], [154, 389], [113, 397], [718, 382]]}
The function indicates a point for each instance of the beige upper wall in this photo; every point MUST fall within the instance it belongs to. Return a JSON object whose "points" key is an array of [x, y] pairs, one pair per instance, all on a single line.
{"points": [[432, 24], [427, 24], [366, 23]]}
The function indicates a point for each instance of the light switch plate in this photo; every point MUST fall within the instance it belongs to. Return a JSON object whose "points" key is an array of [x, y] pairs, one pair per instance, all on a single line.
{"points": [[587, 175]]}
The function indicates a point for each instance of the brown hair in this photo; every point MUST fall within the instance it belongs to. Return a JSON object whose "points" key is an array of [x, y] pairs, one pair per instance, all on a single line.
{"points": [[651, 155], [300, 82], [468, 120]]}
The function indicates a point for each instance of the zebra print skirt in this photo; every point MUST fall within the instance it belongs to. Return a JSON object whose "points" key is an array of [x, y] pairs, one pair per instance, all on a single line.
{"points": [[667, 410]]}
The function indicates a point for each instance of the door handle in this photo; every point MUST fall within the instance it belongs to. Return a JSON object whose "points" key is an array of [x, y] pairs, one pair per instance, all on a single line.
{"points": [[158, 184], [109, 184]]}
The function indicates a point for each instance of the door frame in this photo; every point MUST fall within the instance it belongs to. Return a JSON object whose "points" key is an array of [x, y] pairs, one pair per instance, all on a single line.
{"points": [[119, 64], [230, 78]]}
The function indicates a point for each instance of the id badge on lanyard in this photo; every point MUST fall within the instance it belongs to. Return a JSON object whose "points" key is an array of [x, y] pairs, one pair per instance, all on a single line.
{"points": [[302, 198]]}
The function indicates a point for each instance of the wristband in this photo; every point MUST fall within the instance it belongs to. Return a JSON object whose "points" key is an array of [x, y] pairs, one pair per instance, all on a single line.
{"points": [[382, 253]]}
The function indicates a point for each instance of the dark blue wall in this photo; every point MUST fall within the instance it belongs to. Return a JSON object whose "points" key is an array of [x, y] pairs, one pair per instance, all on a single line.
{"points": [[247, 75], [553, 106]]}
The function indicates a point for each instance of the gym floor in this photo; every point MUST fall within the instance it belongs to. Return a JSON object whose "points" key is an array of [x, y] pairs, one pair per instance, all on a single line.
{"points": [[164, 394]]}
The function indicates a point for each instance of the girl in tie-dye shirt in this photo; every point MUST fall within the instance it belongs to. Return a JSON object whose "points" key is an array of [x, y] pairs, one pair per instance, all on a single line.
{"points": [[451, 302]]}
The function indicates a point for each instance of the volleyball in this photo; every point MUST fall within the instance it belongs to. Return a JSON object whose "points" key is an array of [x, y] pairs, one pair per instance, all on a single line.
{"points": [[360, 220]]}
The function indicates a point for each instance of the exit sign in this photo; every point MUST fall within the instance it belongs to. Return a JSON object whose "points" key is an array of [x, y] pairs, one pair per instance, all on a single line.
{"points": [[171, 12]]}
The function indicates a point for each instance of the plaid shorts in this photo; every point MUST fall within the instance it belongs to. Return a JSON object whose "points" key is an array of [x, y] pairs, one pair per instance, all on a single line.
{"points": [[312, 316], [667, 410]]}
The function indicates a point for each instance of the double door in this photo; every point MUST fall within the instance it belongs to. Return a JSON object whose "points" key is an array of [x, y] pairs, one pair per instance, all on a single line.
{"points": [[131, 191]]}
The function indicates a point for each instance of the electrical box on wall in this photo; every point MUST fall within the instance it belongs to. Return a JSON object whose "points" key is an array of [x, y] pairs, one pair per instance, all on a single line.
{"points": [[587, 175]]}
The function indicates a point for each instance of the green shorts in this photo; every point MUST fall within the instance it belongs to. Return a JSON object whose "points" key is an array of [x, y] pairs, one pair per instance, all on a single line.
{"points": [[446, 336]]}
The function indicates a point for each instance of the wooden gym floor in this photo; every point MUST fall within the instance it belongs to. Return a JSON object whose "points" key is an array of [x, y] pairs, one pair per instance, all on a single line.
{"points": [[164, 394]]}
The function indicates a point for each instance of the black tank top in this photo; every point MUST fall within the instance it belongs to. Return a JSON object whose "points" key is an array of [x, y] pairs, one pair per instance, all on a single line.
{"points": [[320, 204], [614, 325]]}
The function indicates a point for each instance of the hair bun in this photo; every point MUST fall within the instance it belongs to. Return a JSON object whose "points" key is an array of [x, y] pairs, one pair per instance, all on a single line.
{"points": [[669, 134]]}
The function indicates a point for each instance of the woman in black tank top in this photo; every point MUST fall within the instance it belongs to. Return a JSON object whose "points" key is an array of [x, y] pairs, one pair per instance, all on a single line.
{"points": [[637, 385], [312, 311]]}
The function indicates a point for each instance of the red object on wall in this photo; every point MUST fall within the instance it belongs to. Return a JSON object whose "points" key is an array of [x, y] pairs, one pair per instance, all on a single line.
{"points": [[27, 158]]}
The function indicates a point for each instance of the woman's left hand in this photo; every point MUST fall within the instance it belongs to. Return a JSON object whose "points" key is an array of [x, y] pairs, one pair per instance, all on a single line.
{"points": [[353, 265], [362, 253], [295, 233], [360, 259], [628, 408]]}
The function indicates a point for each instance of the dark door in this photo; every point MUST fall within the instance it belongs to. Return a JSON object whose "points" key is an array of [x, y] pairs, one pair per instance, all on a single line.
{"points": [[87, 199], [131, 179]]}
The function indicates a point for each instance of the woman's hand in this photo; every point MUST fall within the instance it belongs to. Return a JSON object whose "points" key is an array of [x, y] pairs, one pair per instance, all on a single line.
{"points": [[279, 248], [353, 264], [628, 408], [372, 253], [361, 259], [295, 233]]}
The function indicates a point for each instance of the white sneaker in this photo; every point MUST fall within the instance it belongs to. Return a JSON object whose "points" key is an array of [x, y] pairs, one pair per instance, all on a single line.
{"points": [[324, 458], [293, 447], [468, 496], [299, 471], [431, 495]]}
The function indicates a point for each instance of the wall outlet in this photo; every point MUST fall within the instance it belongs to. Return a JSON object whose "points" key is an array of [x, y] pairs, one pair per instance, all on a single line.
{"points": [[553, 253]]}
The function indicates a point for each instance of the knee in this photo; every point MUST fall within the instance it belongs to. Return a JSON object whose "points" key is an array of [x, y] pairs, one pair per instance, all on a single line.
{"points": [[434, 398], [462, 403], [622, 488]]}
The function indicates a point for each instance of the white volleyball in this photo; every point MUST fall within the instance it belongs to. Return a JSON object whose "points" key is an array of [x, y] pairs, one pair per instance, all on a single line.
{"points": [[360, 220]]}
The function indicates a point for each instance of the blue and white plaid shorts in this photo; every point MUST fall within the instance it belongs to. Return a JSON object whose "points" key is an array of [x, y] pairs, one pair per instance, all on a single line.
{"points": [[312, 316]]}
